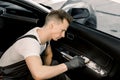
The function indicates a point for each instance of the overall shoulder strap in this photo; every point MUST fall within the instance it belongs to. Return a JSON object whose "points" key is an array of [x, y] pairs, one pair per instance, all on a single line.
{"points": [[19, 69], [31, 36]]}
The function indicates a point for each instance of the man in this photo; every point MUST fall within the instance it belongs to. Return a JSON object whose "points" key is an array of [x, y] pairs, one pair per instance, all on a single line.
{"points": [[24, 56]]}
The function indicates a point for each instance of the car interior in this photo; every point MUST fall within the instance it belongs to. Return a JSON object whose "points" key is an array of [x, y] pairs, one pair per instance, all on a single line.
{"points": [[100, 50]]}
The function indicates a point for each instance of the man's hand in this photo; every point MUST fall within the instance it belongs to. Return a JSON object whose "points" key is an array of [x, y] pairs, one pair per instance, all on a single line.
{"points": [[76, 62]]}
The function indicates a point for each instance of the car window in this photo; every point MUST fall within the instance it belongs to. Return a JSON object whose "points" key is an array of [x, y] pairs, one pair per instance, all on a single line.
{"points": [[107, 13]]}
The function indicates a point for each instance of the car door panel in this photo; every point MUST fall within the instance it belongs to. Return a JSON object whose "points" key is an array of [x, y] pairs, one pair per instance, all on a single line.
{"points": [[95, 45]]}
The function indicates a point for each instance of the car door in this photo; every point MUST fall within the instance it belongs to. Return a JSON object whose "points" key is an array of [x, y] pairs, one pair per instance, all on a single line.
{"points": [[100, 48]]}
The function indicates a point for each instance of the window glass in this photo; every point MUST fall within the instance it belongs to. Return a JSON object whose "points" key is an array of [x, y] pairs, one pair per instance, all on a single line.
{"points": [[108, 15], [107, 12]]}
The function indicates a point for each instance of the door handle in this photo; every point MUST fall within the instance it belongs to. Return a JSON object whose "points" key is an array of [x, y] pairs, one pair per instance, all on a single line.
{"points": [[70, 36]]}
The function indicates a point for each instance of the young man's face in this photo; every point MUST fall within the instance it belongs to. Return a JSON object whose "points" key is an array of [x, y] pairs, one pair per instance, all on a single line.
{"points": [[59, 29]]}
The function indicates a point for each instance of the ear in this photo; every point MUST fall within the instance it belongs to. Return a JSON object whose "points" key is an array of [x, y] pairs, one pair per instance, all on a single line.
{"points": [[51, 25]]}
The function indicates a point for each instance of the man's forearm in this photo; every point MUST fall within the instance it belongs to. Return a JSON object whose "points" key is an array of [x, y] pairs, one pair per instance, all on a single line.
{"points": [[50, 71]]}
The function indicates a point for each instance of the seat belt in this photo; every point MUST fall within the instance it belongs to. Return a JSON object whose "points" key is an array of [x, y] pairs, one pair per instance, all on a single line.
{"points": [[31, 36]]}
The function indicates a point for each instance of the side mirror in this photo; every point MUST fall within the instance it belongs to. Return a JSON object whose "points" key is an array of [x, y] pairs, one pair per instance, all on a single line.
{"points": [[78, 13]]}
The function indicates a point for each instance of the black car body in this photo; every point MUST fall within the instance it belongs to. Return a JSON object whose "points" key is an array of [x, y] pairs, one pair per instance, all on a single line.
{"points": [[99, 49]]}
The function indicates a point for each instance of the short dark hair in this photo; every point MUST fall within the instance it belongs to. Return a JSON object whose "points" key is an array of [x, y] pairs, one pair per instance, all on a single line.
{"points": [[60, 15]]}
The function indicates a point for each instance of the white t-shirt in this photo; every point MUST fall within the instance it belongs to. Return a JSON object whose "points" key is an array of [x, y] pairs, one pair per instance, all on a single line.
{"points": [[23, 48]]}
